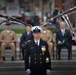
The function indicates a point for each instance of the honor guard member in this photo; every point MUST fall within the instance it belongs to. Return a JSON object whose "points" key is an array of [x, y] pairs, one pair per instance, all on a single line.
{"points": [[8, 37], [46, 35], [37, 50]]}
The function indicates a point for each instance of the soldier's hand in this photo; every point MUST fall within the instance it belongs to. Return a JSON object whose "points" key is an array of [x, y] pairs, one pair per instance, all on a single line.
{"points": [[47, 42], [28, 71], [11, 41], [6, 42], [48, 71]]}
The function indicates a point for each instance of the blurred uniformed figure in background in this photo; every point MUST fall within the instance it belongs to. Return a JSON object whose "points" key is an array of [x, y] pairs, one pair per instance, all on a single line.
{"points": [[37, 50], [8, 37], [46, 35], [1, 61]]}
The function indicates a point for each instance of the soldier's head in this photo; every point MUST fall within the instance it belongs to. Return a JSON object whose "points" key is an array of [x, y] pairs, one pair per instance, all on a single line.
{"points": [[62, 25], [28, 27], [36, 32], [8, 25], [44, 26]]}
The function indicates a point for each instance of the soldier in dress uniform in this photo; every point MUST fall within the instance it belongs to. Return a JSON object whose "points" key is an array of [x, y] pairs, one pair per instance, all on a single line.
{"points": [[46, 35], [1, 61], [37, 49], [8, 37]]}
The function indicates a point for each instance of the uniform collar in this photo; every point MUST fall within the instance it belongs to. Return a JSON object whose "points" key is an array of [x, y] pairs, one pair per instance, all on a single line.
{"points": [[44, 31], [37, 41], [8, 31]]}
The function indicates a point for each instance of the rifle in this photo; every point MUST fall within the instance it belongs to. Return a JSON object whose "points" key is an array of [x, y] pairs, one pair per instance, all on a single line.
{"points": [[12, 19]]}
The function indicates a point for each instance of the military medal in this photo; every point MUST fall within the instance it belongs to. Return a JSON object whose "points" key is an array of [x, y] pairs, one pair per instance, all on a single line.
{"points": [[11, 34], [43, 49], [47, 60]]}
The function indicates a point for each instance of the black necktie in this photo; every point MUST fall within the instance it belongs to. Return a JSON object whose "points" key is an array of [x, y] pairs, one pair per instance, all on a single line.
{"points": [[37, 42]]}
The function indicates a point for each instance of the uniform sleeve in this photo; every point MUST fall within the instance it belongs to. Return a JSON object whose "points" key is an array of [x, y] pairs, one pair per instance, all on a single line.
{"points": [[1, 36], [15, 36], [27, 57], [50, 34], [48, 62], [32, 37]]}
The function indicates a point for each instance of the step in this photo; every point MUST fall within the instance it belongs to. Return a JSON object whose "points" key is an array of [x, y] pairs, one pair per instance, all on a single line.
{"points": [[13, 63], [56, 65], [64, 64], [56, 72], [63, 58], [12, 66], [13, 73], [62, 50]]}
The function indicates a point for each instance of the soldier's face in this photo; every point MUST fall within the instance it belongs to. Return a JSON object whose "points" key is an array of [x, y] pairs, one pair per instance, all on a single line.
{"points": [[37, 35], [44, 27], [7, 27]]}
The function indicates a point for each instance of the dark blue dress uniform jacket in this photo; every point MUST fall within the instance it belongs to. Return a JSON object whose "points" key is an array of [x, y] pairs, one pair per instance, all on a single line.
{"points": [[37, 64]]}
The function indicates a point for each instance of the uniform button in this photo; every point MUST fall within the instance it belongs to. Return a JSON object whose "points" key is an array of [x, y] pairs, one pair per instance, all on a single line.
{"points": [[35, 62], [35, 54], [40, 62], [40, 58], [35, 58], [40, 53]]}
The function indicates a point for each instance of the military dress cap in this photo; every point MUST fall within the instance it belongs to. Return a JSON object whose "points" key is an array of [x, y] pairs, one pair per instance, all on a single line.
{"points": [[44, 23], [36, 29]]}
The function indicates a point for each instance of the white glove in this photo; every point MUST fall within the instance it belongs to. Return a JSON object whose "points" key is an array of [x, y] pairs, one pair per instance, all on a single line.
{"points": [[48, 71], [51, 19], [28, 71]]}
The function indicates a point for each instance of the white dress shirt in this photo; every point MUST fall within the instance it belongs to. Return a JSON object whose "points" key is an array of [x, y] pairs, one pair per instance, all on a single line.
{"points": [[37, 42], [63, 31]]}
